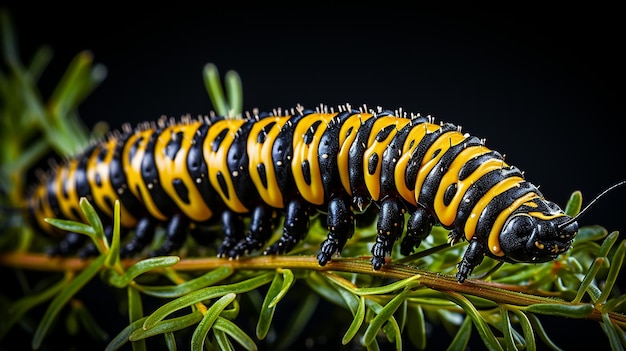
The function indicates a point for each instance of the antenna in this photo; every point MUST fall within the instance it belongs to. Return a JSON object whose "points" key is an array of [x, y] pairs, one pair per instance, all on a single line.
{"points": [[584, 210]]}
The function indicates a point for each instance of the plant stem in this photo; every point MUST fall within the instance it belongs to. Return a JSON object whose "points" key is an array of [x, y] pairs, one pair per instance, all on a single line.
{"points": [[435, 281]]}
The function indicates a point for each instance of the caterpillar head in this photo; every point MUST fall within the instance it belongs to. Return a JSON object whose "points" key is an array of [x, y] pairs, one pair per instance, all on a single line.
{"points": [[539, 235], [542, 233]]}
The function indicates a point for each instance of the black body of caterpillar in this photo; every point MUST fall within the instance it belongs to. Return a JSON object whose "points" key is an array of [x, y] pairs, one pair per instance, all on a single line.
{"points": [[216, 170]]}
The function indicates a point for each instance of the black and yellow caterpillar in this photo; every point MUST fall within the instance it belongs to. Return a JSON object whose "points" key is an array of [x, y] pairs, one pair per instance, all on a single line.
{"points": [[181, 173]]}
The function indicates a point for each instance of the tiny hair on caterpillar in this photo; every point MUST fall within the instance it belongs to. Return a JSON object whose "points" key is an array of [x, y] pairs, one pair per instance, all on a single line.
{"points": [[183, 174]]}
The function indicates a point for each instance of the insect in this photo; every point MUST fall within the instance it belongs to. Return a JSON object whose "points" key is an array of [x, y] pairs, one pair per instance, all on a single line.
{"points": [[212, 170]]}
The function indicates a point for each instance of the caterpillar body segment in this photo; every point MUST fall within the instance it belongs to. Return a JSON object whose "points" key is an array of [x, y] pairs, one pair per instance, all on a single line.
{"points": [[187, 173]]}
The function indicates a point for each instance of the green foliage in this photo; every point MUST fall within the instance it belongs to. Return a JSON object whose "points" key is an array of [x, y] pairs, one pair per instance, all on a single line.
{"points": [[229, 104], [207, 303], [31, 126]]}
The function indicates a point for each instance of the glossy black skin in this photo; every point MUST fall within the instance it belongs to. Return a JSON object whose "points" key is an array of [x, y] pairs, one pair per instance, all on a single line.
{"points": [[524, 238], [529, 239], [529, 235]]}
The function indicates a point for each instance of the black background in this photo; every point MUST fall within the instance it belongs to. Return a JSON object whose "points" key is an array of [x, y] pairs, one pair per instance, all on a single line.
{"points": [[545, 88]]}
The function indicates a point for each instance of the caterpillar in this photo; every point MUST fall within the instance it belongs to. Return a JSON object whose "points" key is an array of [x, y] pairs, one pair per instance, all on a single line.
{"points": [[181, 173]]}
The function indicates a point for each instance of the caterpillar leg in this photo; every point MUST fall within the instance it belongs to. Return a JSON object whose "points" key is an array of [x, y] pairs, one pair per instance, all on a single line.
{"points": [[473, 257], [233, 233], [340, 222], [390, 226], [144, 233], [418, 227], [70, 243], [296, 226], [174, 237], [455, 236], [261, 227]]}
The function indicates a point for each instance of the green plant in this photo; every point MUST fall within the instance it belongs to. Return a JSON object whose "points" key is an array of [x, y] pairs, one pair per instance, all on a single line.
{"points": [[203, 302]]}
